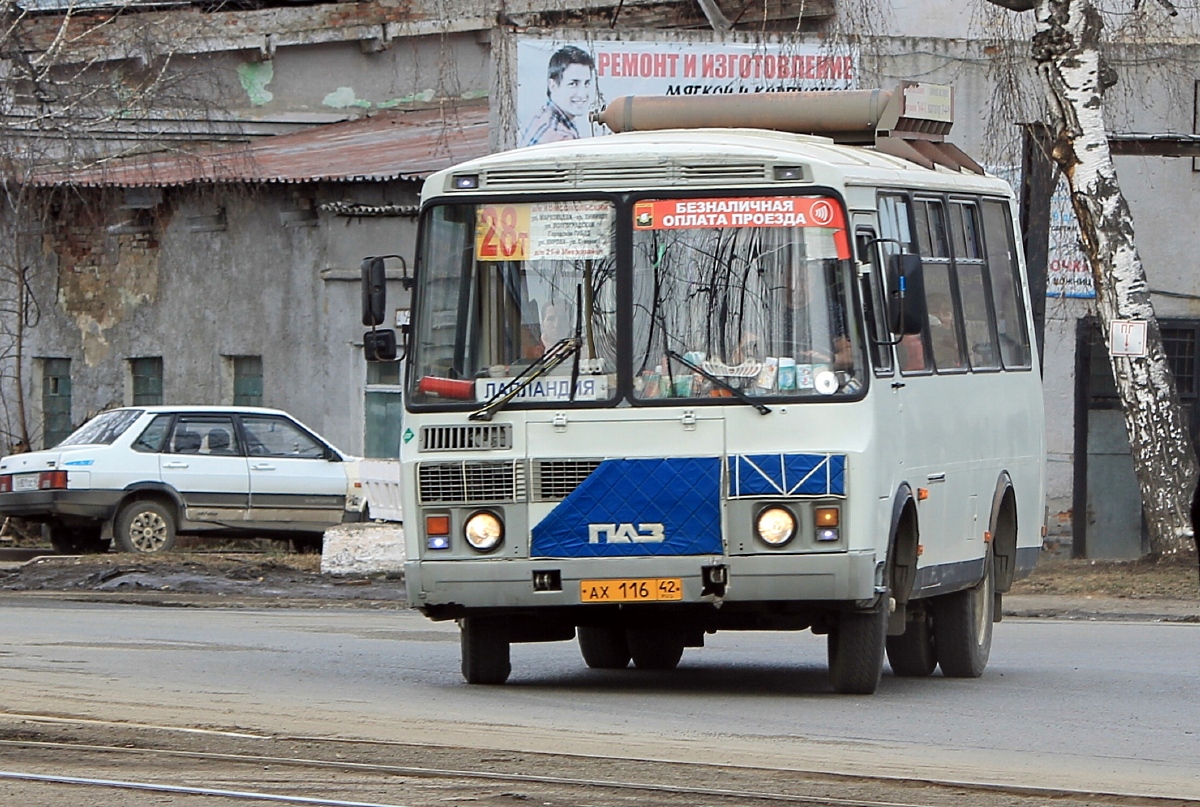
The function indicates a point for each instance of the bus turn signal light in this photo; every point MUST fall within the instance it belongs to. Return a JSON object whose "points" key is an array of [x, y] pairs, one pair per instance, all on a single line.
{"points": [[437, 525], [826, 516]]}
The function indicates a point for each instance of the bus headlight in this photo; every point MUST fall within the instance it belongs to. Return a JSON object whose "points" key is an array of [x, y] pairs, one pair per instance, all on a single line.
{"points": [[776, 525], [484, 531]]}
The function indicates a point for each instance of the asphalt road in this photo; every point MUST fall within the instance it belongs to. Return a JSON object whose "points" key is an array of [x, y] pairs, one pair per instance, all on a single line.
{"points": [[1090, 705]]}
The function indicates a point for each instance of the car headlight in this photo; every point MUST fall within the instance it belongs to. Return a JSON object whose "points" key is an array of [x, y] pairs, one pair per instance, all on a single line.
{"points": [[484, 531], [776, 525]]}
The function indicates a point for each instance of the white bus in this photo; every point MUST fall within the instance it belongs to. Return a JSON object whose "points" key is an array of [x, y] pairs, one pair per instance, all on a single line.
{"points": [[666, 383]]}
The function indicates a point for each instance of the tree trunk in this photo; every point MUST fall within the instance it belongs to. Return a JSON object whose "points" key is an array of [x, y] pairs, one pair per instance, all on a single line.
{"points": [[1066, 50]]}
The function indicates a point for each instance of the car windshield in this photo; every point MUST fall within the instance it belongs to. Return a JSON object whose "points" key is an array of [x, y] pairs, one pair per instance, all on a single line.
{"points": [[501, 284], [102, 429], [754, 290]]}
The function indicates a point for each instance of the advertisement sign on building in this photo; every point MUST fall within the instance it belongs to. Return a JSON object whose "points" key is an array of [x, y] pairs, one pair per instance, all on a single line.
{"points": [[559, 82], [1068, 273]]}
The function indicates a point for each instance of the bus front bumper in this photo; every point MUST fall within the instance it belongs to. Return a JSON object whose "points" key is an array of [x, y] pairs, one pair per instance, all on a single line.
{"points": [[498, 583]]}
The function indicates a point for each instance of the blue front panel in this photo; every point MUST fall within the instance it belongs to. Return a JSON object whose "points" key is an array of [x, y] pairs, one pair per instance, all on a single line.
{"points": [[637, 508], [787, 475]]}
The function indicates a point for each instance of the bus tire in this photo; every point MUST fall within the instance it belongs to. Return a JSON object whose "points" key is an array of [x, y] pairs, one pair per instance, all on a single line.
{"points": [[913, 654], [855, 645], [962, 626], [485, 650], [604, 648], [655, 649]]}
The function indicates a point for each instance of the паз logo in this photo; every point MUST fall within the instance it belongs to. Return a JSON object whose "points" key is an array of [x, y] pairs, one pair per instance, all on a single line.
{"points": [[651, 533]]}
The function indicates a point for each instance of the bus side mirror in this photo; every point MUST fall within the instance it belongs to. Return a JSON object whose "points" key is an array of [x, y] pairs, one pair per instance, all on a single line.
{"points": [[906, 294], [374, 294], [380, 345]]}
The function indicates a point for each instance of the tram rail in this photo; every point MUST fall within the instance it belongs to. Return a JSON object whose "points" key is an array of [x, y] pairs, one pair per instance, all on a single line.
{"points": [[352, 757]]}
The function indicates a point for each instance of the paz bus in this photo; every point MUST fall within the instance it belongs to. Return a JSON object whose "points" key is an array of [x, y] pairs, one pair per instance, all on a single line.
{"points": [[749, 363]]}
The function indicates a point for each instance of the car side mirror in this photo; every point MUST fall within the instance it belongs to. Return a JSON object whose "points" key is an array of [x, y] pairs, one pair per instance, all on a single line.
{"points": [[906, 294]]}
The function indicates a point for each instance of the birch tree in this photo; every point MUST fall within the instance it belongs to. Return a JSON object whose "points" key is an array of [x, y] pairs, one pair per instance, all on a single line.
{"points": [[1068, 54]]}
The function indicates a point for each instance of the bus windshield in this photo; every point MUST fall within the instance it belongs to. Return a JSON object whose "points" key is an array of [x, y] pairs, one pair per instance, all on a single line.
{"points": [[501, 284], [754, 290]]}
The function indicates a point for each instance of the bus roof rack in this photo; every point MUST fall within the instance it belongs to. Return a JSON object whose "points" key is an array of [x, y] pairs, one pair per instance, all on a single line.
{"points": [[910, 122]]}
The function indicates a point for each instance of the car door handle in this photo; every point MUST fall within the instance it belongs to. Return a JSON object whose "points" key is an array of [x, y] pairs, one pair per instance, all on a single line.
{"points": [[175, 465], [262, 466]]}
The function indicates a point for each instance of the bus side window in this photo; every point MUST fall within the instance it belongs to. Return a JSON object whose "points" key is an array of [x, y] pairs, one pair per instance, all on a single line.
{"points": [[972, 287], [940, 302], [1003, 271], [895, 230], [874, 311]]}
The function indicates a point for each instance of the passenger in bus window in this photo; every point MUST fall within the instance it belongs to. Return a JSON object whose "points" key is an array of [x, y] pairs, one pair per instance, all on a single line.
{"points": [[554, 326], [570, 90], [947, 352], [816, 336], [910, 352]]}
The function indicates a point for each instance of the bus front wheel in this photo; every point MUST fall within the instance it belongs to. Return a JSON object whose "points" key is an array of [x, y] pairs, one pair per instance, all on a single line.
{"points": [[962, 625], [855, 647], [485, 650], [604, 648]]}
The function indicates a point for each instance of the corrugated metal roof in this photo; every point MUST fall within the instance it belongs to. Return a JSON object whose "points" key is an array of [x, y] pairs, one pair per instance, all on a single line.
{"points": [[387, 146]]}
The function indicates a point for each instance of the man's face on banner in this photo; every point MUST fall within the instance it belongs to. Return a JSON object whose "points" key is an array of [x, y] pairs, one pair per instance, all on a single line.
{"points": [[574, 92]]}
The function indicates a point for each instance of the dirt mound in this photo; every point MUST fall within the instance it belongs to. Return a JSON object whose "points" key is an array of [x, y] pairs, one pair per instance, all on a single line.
{"points": [[271, 579]]}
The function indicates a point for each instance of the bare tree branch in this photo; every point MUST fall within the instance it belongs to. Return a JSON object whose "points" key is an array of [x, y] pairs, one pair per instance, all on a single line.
{"points": [[716, 18]]}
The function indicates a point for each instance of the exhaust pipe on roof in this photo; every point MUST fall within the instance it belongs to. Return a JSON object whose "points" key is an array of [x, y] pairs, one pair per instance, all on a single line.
{"points": [[846, 116], [910, 122]]}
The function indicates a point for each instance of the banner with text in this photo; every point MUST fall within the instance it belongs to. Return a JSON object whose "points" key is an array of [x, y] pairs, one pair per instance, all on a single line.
{"points": [[560, 82]]}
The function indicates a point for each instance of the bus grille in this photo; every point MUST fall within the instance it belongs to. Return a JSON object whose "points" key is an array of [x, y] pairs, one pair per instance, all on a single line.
{"points": [[717, 173], [484, 437], [555, 480], [526, 176], [654, 174], [470, 482]]}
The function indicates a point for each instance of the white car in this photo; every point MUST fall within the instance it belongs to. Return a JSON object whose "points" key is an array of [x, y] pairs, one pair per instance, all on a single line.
{"points": [[140, 476]]}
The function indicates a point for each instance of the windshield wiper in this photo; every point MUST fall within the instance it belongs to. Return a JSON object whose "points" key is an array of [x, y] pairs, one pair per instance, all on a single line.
{"points": [[763, 409], [553, 357]]}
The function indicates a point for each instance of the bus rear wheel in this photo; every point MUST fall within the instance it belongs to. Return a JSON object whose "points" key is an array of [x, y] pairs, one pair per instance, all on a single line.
{"points": [[962, 626], [485, 650], [855, 647], [655, 649], [604, 648], [913, 654]]}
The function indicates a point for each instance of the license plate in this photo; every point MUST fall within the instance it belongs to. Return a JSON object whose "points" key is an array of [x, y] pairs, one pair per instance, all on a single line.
{"points": [[638, 589], [25, 482]]}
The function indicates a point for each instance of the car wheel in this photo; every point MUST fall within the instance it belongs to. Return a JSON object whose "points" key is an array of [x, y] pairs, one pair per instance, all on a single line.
{"points": [[145, 527], [308, 544], [75, 540]]}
